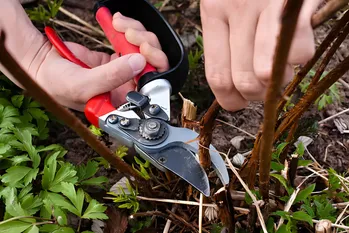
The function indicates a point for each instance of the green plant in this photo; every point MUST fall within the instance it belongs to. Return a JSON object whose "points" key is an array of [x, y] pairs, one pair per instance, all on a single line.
{"points": [[127, 200], [329, 97], [38, 187], [43, 14]]}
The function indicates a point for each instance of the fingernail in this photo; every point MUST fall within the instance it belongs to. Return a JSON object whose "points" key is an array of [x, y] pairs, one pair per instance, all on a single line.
{"points": [[117, 15], [137, 62]]}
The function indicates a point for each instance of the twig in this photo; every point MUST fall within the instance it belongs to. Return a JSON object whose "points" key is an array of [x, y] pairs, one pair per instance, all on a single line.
{"points": [[64, 114], [249, 134], [200, 212], [289, 21], [168, 223], [344, 83], [242, 210], [163, 5], [341, 214], [327, 11], [255, 202], [75, 26], [183, 221], [318, 53], [172, 217], [83, 22], [288, 206], [311, 95], [81, 33], [205, 137], [333, 116], [341, 37]]}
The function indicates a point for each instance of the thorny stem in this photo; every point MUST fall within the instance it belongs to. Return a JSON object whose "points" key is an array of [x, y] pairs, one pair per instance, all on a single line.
{"points": [[62, 113], [288, 26], [327, 11], [311, 95], [318, 53]]}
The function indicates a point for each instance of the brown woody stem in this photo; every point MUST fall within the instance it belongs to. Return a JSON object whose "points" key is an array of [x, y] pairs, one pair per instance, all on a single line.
{"points": [[62, 113], [288, 25], [311, 95], [206, 127], [343, 34], [318, 53], [327, 11]]}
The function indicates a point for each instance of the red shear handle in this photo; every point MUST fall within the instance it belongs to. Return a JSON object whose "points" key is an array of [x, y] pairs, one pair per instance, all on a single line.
{"points": [[118, 39], [97, 106]]}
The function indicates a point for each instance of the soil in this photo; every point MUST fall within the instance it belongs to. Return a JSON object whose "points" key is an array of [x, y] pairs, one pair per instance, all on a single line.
{"points": [[183, 15]]}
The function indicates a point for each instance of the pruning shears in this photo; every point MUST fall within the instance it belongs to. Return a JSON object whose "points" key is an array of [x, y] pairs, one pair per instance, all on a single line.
{"points": [[143, 121]]}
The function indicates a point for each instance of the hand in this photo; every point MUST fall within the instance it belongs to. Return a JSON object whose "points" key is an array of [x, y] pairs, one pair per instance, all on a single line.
{"points": [[239, 41], [73, 85]]}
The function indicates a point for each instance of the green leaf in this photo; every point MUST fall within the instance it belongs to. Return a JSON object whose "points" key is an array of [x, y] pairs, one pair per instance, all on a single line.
{"points": [[283, 181], [33, 229], [87, 171], [304, 194], [95, 181], [15, 174], [25, 138], [309, 210], [304, 163], [59, 200], [14, 226], [4, 148], [283, 214], [96, 131], [77, 198], [276, 166], [302, 216], [17, 100], [16, 160], [8, 116], [283, 229], [300, 149], [38, 114], [95, 210], [279, 149]]}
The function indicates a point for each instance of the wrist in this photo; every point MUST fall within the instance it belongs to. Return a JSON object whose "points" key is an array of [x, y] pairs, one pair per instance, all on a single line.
{"points": [[23, 40]]}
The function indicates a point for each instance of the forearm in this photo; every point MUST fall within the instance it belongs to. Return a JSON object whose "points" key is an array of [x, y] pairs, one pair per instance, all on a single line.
{"points": [[26, 44]]}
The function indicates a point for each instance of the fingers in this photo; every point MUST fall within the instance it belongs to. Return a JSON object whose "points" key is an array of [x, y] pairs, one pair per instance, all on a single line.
{"points": [[302, 48], [217, 57], [243, 24], [155, 57], [107, 77], [148, 42], [122, 23]]}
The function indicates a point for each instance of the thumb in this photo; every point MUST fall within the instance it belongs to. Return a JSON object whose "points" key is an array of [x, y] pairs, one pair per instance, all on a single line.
{"points": [[113, 74]]}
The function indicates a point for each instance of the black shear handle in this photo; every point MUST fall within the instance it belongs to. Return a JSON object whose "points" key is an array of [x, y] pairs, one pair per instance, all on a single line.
{"points": [[171, 44]]}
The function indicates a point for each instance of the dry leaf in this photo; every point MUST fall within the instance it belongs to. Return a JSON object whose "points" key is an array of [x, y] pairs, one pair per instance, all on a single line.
{"points": [[236, 141]]}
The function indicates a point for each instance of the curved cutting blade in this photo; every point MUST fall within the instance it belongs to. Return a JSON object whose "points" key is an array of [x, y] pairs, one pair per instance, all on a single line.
{"points": [[190, 137], [178, 158]]}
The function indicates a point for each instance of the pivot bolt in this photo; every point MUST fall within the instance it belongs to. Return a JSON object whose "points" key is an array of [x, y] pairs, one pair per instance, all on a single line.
{"points": [[154, 109], [125, 122], [112, 119], [162, 160]]}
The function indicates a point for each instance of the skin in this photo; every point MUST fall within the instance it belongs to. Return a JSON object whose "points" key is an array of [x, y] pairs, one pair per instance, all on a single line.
{"points": [[70, 84], [238, 68], [239, 40]]}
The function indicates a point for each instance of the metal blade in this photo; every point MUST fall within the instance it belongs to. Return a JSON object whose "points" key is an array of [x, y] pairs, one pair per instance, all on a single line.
{"points": [[178, 158]]}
